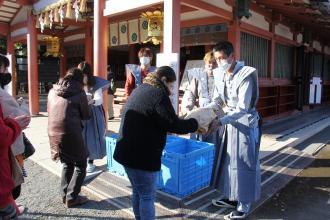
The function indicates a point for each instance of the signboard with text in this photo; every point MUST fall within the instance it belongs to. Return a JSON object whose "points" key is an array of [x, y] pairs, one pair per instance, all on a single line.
{"points": [[172, 60]]}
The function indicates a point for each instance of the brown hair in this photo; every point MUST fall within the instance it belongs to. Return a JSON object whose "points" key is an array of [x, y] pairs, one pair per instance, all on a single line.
{"points": [[75, 74], [86, 69], [145, 52]]}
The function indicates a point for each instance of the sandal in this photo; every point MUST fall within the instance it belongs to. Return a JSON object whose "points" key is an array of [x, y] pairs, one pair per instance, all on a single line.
{"points": [[224, 203]]}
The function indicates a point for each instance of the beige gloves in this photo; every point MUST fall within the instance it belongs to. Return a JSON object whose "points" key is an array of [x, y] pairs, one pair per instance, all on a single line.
{"points": [[204, 117]]}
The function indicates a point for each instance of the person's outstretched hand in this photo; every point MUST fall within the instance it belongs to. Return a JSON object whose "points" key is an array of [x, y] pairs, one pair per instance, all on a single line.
{"points": [[214, 125], [23, 121]]}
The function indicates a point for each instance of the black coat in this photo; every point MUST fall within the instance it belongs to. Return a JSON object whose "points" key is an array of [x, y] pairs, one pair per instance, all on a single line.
{"points": [[67, 106], [147, 117]]}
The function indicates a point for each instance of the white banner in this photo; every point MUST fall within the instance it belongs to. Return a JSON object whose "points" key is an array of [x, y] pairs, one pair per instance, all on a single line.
{"points": [[123, 32], [143, 29], [114, 34], [133, 31], [172, 60]]}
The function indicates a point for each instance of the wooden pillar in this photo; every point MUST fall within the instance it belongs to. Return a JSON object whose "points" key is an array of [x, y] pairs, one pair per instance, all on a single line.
{"points": [[11, 51], [32, 50], [88, 43], [234, 37], [171, 40], [171, 26], [100, 46], [272, 51]]}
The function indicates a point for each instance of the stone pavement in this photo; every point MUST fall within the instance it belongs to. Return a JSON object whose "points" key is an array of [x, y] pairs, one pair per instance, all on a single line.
{"points": [[277, 146]]}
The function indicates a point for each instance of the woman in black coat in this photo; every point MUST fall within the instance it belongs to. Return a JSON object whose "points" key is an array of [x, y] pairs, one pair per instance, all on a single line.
{"points": [[67, 106], [147, 118]]}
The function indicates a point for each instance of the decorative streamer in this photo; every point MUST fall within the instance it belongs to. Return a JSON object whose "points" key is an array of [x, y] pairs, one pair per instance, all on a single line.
{"points": [[46, 18], [42, 24], [76, 9], [69, 10], [56, 15], [83, 6], [51, 20], [61, 12], [37, 23]]}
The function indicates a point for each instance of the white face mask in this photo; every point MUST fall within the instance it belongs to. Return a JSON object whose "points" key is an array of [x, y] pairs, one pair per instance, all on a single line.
{"points": [[144, 60], [224, 64]]}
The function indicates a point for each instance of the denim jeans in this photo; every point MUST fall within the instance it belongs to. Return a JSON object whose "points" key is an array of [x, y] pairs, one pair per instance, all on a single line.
{"points": [[73, 175], [144, 192]]}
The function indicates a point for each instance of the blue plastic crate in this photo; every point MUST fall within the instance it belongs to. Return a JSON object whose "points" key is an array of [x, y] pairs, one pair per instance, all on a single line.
{"points": [[186, 167], [113, 165]]}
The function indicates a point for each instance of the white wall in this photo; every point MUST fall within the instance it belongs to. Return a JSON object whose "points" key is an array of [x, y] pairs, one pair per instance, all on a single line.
{"points": [[257, 20], [327, 50], [19, 32], [300, 38], [220, 4], [283, 31], [317, 45]]}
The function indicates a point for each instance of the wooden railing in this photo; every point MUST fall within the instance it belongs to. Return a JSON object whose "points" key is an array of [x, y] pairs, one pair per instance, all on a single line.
{"points": [[276, 100]]}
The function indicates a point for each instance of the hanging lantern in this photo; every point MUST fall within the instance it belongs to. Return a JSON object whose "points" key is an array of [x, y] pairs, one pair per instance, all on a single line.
{"points": [[42, 24], [51, 20], [69, 13], [46, 19], [61, 13], [76, 9], [83, 6], [56, 16], [53, 46], [155, 26]]}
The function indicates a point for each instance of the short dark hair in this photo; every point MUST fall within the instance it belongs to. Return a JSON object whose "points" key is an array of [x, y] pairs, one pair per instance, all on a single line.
{"points": [[4, 60], [75, 74], [86, 69], [167, 72], [225, 47], [145, 52]]}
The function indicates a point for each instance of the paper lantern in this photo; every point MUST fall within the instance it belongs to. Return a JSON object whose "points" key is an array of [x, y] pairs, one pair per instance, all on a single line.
{"points": [[155, 26], [53, 46]]}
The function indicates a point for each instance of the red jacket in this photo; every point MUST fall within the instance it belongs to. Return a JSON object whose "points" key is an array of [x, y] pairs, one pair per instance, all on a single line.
{"points": [[130, 82], [9, 130]]}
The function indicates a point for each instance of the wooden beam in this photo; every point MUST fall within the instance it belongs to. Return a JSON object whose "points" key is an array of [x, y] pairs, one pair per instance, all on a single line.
{"points": [[285, 41], [74, 42], [255, 30], [203, 21], [18, 26], [25, 2], [7, 16], [4, 27], [72, 22], [74, 32], [200, 5], [52, 32], [20, 38]]}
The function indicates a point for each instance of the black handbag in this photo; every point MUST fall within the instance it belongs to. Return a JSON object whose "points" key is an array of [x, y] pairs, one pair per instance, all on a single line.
{"points": [[29, 149]]}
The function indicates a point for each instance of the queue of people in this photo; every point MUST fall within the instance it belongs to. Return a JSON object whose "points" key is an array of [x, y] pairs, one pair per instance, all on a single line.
{"points": [[76, 128], [13, 119]]}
